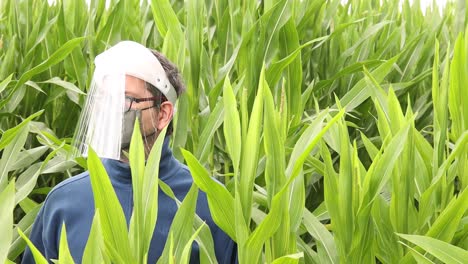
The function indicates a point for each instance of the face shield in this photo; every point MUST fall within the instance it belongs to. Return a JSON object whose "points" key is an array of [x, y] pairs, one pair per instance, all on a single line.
{"points": [[120, 92]]}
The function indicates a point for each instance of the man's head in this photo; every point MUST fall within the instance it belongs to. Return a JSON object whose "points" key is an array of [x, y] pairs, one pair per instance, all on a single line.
{"points": [[130, 82]]}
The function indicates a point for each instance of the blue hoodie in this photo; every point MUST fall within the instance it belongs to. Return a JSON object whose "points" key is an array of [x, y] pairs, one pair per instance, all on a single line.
{"points": [[71, 202]]}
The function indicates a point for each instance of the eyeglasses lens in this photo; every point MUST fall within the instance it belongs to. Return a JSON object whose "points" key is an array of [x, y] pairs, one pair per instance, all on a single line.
{"points": [[128, 104]]}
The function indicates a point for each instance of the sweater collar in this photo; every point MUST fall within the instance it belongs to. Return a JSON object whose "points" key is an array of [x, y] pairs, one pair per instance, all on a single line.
{"points": [[119, 172]]}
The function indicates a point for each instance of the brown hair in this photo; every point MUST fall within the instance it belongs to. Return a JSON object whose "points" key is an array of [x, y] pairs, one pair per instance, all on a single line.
{"points": [[175, 79]]}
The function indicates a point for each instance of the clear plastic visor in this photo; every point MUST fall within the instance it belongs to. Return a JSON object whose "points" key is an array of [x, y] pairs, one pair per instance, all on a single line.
{"points": [[107, 120], [100, 123]]}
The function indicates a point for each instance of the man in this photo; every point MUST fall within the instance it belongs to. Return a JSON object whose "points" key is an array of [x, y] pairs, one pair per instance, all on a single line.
{"points": [[129, 82]]}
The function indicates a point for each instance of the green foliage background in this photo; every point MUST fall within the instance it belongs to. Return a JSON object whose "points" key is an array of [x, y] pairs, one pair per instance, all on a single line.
{"points": [[338, 130]]}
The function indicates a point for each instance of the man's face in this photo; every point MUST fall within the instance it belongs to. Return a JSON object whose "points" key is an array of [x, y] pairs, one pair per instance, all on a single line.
{"points": [[136, 88]]}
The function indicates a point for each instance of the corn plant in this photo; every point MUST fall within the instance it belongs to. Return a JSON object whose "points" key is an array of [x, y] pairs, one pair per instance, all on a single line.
{"points": [[337, 129]]}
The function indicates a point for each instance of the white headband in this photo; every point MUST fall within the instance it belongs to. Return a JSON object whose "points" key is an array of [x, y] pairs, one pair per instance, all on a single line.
{"points": [[134, 59]]}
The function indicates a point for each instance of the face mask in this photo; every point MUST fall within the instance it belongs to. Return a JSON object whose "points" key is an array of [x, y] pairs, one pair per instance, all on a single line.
{"points": [[128, 124]]}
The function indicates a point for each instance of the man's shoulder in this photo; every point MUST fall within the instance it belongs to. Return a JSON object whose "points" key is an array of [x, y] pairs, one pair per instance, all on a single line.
{"points": [[71, 188]]}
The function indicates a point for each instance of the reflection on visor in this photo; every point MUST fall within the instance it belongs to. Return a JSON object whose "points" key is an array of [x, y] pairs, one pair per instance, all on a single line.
{"points": [[100, 123]]}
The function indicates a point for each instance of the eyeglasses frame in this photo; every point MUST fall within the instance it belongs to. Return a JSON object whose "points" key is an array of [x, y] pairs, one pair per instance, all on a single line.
{"points": [[162, 99]]}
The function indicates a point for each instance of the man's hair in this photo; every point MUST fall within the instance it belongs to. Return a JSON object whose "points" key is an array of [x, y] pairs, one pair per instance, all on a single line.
{"points": [[175, 79]]}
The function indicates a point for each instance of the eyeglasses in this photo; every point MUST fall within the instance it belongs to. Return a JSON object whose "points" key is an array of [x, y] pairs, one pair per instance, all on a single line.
{"points": [[129, 101]]}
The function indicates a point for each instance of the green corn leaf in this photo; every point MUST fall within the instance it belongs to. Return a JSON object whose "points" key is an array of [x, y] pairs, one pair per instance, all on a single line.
{"points": [[64, 252], [442, 250], [380, 170], [26, 181], [458, 70], [195, 13], [171, 250], [270, 224], [241, 229], [326, 247], [447, 223], [8, 59], [274, 71], [249, 158], [371, 149], [185, 256], [310, 256], [5, 83], [151, 189], [356, 67], [34, 42], [457, 151], [370, 31], [28, 205], [38, 257], [28, 157], [7, 204], [388, 250], [456, 103], [346, 174], [137, 167], [64, 84], [170, 28], [11, 133], [420, 258], [106, 32], [358, 94], [181, 127], [10, 154], [289, 259], [95, 244], [18, 244], [220, 201], [181, 228], [264, 231], [289, 40], [114, 226], [214, 122], [439, 96], [164, 16], [301, 149], [55, 58], [204, 239], [232, 129], [296, 167], [274, 148], [274, 174]]}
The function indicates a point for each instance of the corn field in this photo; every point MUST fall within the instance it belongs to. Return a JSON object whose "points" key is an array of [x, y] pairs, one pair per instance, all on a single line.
{"points": [[339, 130]]}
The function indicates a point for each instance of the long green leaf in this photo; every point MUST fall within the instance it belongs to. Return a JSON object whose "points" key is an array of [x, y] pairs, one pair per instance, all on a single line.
{"points": [[323, 238], [38, 257], [442, 250], [232, 129], [181, 229], [249, 158], [55, 58], [112, 218], [95, 244], [10, 154], [7, 204], [64, 256], [220, 201], [185, 256]]}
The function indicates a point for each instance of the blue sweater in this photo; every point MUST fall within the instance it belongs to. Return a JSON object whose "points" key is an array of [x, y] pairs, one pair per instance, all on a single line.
{"points": [[71, 202]]}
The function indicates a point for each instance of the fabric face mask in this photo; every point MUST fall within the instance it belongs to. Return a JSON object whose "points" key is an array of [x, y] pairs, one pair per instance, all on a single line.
{"points": [[128, 124]]}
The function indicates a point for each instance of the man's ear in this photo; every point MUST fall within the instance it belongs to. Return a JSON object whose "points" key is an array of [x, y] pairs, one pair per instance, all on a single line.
{"points": [[166, 111]]}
